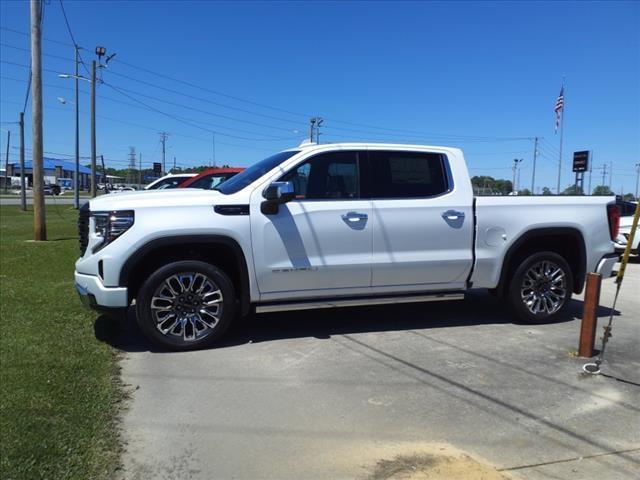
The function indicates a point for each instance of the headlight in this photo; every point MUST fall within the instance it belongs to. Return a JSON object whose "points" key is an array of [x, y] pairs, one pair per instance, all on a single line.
{"points": [[110, 225]]}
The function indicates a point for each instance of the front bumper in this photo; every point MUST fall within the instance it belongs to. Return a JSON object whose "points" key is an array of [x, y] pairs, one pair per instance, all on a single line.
{"points": [[94, 294], [606, 263]]}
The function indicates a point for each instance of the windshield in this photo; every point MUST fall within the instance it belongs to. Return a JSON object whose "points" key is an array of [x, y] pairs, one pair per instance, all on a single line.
{"points": [[254, 172], [169, 182], [210, 182]]}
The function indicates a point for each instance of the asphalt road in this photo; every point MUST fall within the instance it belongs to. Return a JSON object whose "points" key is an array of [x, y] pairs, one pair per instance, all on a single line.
{"points": [[327, 394]]}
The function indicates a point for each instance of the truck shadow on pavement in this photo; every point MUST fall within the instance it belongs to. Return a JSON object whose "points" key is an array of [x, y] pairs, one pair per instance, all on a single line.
{"points": [[479, 308]]}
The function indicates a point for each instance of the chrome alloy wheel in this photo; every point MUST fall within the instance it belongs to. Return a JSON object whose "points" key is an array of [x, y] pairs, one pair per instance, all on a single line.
{"points": [[543, 288], [187, 305]]}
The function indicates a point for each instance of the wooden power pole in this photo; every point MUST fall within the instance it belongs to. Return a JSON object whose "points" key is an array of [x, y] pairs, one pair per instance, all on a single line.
{"points": [[39, 221]]}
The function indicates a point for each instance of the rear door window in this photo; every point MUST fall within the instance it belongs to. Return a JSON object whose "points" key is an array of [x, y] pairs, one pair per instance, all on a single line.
{"points": [[407, 174]]}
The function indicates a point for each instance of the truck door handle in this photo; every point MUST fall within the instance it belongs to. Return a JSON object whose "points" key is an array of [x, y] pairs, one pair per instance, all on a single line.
{"points": [[354, 217], [452, 215]]}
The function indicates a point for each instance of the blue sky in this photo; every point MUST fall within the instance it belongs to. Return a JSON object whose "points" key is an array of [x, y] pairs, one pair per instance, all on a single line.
{"points": [[480, 76]]}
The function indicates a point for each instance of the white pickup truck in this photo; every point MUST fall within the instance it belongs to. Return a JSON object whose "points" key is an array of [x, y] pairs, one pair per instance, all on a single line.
{"points": [[329, 226]]}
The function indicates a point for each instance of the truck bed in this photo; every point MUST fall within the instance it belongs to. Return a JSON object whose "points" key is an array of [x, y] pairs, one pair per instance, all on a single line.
{"points": [[503, 220]]}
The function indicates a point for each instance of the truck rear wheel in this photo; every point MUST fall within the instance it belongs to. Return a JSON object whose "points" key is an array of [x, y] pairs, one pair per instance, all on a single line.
{"points": [[541, 288], [185, 305]]}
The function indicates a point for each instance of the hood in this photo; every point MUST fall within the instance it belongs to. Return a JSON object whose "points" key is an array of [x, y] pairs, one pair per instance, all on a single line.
{"points": [[155, 198]]}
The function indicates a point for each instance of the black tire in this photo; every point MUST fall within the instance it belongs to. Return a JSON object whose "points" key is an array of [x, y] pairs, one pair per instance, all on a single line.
{"points": [[186, 306], [539, 300]]}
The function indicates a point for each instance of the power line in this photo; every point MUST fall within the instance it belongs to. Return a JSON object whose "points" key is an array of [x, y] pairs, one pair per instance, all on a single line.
{"points": [[146, 108], [200, 99], [411, 134], [391, 131], [283, 110], [155, 129], [180, 119], [25, 66], [75, 44], [12, 30], [66, 20], [121, 89], [44, 54], [26, 97], [184, 82]]}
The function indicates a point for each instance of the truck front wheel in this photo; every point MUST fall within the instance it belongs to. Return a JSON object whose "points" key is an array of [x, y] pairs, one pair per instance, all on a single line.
{"points": [[541, 288], [185, 305]]}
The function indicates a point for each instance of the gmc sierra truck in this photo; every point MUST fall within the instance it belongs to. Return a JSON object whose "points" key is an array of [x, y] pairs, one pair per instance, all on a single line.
{"points": [[330, 226]]}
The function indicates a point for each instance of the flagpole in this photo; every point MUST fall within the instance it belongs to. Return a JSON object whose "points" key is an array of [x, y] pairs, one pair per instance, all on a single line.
{"points": [[564, 96]]}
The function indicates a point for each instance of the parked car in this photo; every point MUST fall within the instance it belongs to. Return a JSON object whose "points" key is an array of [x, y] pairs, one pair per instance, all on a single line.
{"points": [[627, 210], [52, 190], [211, 178], [170, 181], [334, 225]]}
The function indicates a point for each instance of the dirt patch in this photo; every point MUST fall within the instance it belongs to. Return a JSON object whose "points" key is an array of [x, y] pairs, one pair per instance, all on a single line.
{"points": [[434, 462]]}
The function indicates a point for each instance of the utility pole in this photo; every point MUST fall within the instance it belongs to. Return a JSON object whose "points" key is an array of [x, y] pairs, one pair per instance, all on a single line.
{"points": [[76, 180], [604, 173], [637, 178], [140, 171], [6, 162], [93, 130], [318, 124], [213, 150], [610, 174], [174, 164], [535, 157], [39, 220], [516, 161], [132, 164], [23, 187], [590, 172], [163, 140], [312, 126]]}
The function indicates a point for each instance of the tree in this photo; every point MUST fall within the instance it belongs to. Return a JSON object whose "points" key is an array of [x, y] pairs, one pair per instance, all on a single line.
{"points": [[525, 192], [602, 190], [546, 191], [484, 185], [628, 197], [572, 190]]}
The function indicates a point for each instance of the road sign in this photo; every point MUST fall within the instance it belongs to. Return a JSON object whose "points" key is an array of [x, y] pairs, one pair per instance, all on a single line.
{"points": [[581, 161], [157, 168]]}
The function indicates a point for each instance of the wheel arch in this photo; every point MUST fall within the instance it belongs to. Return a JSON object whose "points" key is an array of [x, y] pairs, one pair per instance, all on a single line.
{"points": [[567, 242], [221, 251]]}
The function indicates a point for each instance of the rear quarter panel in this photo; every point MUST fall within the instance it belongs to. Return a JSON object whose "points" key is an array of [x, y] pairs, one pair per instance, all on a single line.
{"points": [[501, 221]]}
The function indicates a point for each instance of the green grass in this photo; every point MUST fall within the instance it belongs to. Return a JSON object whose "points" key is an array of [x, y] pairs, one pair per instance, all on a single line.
{"points": [[59, 386]]}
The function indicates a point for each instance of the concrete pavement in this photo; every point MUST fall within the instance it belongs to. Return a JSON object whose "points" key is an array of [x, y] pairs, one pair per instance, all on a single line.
{"points": [[329, 394]]}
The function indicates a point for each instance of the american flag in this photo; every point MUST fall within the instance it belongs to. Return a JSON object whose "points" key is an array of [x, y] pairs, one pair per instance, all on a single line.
{"points": [[559, 107]]}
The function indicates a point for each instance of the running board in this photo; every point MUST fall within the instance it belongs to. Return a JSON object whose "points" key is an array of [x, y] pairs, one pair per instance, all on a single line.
{"points": [[357, 301]]}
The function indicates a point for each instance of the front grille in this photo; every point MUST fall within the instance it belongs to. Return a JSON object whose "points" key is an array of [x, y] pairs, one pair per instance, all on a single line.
{"points": [[83, 227]]}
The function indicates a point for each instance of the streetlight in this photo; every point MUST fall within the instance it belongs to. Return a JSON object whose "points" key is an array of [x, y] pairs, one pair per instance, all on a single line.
{"points": [[77, 77], [76, 174], [100, 52]]}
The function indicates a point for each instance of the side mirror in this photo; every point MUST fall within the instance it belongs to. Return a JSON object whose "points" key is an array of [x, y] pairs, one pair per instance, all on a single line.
{"points": [[275, 194], [279, 192]]}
